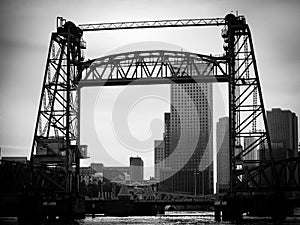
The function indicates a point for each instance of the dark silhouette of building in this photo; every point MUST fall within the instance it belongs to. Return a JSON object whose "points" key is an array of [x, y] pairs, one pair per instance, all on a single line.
{"points": [[283, 129], [21, 159], [136, 169]]}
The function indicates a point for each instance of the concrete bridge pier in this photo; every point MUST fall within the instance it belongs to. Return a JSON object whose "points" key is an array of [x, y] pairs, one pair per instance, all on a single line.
{"points": [[29, 208], [217, 213], [160, 209], [33, 208], [278, 207], [232, 209]]}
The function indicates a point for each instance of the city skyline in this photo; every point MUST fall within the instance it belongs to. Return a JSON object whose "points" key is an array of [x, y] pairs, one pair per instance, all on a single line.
{"points": [[23, 56]]}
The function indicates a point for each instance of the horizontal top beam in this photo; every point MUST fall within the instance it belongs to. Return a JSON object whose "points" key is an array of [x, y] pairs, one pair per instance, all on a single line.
{"points": [[152, 80], [153, 24]]}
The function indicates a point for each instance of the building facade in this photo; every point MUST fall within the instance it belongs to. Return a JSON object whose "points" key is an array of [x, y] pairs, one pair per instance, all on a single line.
{"points": [[191, 147], [116, 172], [167, 138], [283, 128], [253, 153], [159, 156], [136, 169], [223, 156]]}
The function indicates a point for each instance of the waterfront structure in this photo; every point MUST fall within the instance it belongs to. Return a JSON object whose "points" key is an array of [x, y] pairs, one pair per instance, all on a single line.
{"points": [[136, 169], [159, 156], [223, 165]]}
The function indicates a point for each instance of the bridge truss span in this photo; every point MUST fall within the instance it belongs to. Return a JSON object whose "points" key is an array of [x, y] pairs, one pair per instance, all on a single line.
{"points": [[153, 24], [154, 67]]}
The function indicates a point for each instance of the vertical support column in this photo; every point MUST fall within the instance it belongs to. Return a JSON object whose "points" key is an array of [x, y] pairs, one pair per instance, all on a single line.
{"points": [[231, 95], [78, 137], [68, 186], [78, 114], [217, 212]]}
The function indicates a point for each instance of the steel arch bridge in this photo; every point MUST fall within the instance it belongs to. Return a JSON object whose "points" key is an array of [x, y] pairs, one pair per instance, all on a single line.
{"points": [[149, 67], [55, 142]]}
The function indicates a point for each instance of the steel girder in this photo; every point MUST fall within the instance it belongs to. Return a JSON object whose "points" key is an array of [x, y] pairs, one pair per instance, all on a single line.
{"points": [[154, 67], [158, 196], [153, 24]]}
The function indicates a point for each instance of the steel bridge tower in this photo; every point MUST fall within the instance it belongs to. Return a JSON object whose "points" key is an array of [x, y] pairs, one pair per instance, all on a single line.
{"points": [[55, 136]]}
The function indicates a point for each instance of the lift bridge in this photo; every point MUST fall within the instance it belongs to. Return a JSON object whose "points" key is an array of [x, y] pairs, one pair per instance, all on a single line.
{"points": [[53, 171]]}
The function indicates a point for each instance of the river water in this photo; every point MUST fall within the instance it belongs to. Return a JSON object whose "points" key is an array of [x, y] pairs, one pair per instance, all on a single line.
{"points": [[182, 217]]}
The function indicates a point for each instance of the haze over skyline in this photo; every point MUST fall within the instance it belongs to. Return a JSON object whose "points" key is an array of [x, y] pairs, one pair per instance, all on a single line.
{"points": [[26, 27]]}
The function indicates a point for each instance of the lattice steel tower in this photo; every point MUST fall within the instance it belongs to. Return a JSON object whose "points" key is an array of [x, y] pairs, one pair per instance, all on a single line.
{"points": [[55, 136]]}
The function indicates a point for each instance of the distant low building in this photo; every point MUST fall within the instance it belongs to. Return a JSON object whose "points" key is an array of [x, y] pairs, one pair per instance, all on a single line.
{"points": [[16, 159], [136, 169], [108, 173], [86, 174], [98, 167], [116, 172]]}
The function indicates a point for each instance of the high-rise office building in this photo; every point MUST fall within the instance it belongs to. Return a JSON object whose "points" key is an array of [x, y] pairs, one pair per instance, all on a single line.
{"points": [[167, 138], [136, 169], [252, 153], [191, 147], [283, 128], [159, 156], [223, 160]]}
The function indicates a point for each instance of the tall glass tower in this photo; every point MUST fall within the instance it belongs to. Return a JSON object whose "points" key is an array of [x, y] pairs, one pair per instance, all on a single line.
{"points": [[191, 145]]}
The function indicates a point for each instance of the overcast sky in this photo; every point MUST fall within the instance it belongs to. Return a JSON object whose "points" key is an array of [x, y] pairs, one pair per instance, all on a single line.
{"points": [[26, 26]]}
